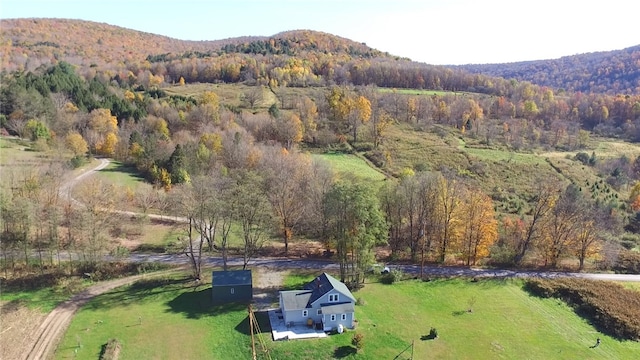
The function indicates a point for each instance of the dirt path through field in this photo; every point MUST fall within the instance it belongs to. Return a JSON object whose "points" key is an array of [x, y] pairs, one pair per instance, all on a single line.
{"points": [[44, 339]]}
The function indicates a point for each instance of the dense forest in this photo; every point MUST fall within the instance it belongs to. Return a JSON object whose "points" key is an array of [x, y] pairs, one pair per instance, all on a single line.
{"points": [[609, 72], [116, 93]]}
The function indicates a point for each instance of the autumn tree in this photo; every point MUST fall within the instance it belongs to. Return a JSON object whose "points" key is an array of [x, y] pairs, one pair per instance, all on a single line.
{"points": [[360, 113], [447, 218], [563, 224], [588, 235], [541, 204], [102, 131], [340, 103], [76, 144], [315, 221], [480, 227], [287, 176], [289, 130], [307, 111], [99, 201], [392, 204], [381, 120]]}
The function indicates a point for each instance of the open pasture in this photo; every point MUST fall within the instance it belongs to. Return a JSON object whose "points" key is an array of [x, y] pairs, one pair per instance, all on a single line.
{"points": [[169, 318]]}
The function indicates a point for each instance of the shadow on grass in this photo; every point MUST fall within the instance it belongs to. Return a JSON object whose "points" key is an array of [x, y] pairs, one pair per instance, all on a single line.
{"points": [[458, 313], [427, 337], [344, 351], [122, 168], [263, 323], [138, 292], [195, 304]]}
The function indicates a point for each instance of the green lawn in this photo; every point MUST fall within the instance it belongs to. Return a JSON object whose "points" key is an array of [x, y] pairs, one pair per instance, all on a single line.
{"points": [[351, 164], [122, 175], [44, 298], [158, 319], [168, 319]]}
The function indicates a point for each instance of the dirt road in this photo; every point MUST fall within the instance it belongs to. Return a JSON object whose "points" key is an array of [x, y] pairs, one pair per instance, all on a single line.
{"points": [[45, 338]]}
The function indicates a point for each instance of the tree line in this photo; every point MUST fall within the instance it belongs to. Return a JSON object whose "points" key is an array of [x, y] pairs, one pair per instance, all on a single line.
{"points": [[181, 141]]}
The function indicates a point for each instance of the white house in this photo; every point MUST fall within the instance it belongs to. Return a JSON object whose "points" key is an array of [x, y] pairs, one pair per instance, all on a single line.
{"points": [[325, 303]]}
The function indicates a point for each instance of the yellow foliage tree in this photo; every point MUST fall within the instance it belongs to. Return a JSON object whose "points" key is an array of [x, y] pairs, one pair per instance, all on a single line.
{"points": [[480, 226], [129, 95], [289, 130], [165, 179], [102, 121], [212, 141], [107, 147], [587, 242], [76, 144]]}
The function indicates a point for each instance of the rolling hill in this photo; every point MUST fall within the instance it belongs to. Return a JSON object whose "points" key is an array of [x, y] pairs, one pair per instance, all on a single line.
{"points": [[26, 44], [610, 72]]}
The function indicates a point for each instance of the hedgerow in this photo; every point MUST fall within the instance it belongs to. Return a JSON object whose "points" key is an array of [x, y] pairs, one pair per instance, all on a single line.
{"points": [[610, 307]]}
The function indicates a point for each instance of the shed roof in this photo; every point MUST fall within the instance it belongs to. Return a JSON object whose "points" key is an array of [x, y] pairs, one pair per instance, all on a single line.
{"points": [[231, 278]]}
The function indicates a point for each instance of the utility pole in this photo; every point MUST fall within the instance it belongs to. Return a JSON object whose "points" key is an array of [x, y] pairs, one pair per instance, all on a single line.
{"points": [[422, 250], [253, 343]]}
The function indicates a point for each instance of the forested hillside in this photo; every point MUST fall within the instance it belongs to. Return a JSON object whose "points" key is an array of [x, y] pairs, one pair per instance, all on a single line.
{"points": [[607, 72], [478, 168]]}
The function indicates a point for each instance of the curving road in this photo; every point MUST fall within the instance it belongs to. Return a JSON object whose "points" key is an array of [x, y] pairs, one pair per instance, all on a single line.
{"points": [[55, 324]]}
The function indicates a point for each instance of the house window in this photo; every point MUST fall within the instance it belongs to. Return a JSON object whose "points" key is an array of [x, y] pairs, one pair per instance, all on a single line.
{"points": [[333, 317], [305, 313], [344, 317], [319, 312], [233, 291], [333, 297]]}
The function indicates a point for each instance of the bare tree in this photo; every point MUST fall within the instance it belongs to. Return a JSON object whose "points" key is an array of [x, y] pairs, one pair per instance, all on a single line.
{"points": [[251, 210], [253, 96], [287, 178], [544, 198]]}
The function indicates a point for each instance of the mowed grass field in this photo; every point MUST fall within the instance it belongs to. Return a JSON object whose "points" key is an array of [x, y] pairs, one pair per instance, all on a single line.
{"points": [[170, 319], [344, 164]]}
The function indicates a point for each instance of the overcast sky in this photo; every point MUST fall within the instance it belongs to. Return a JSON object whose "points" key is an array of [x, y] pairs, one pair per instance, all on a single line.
{"points": [[430, 31]]}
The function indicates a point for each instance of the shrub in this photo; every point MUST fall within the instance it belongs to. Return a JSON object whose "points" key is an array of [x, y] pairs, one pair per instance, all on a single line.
{"points": [[357, 341], [363, 146], [110, 350], [392, 276], [609, 306], [583, 157], [628, 263], [77, 161], [433, 333]]}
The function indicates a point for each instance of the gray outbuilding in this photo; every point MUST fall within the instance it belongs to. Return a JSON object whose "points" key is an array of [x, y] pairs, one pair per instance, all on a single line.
{"points": [[231, 286]]}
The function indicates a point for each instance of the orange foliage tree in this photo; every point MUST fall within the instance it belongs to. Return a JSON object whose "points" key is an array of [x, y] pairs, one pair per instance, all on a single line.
{"points": [[480, 228]]}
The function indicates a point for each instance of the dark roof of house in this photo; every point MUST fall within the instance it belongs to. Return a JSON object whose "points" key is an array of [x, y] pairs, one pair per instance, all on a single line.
{"points": [[231, 278], [295, 299], [325, 283]]}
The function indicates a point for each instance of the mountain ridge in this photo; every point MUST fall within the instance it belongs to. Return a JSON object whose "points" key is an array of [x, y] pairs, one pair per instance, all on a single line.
{"points": [[611, 72]]}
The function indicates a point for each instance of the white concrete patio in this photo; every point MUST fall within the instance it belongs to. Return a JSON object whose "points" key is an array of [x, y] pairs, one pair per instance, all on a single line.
{"points": [[280, 331]]}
